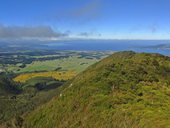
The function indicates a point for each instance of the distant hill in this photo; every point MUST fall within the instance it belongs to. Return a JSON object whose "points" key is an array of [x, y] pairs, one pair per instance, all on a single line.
{"points": [[124, 90], [161, 46]]}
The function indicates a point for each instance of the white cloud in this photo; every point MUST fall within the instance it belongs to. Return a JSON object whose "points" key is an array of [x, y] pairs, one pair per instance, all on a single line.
{"points": [[27, 32]]}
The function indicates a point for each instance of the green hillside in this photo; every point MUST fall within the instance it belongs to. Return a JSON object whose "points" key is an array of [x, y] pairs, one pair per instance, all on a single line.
{"points": [[125, 90], [7, 87], [16, 100]]}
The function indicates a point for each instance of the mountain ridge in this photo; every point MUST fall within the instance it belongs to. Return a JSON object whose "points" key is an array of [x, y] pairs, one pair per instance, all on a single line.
{"points": [[126, 89]]}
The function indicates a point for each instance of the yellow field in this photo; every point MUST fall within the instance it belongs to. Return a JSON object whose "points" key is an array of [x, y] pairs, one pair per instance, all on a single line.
{"points": [[63, 75]]}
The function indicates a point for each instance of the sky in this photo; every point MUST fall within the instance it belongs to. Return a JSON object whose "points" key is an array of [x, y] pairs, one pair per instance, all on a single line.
{"points": [[99, 19]]}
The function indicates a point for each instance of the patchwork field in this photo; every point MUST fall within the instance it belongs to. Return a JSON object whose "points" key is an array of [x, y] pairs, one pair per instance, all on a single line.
{"points": [[72, 63], [41, 61]]}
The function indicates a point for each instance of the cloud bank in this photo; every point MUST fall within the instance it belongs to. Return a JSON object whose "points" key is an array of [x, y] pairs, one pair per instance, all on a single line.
{"points": [[21, 32]]}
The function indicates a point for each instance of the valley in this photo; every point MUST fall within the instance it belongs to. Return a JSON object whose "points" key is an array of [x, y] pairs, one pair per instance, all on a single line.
{"points": [[31, 78]]}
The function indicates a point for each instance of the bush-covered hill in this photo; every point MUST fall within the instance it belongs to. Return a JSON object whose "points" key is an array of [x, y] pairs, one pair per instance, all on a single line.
{"points": [[125, 90], [18, 99], [7, 86]]}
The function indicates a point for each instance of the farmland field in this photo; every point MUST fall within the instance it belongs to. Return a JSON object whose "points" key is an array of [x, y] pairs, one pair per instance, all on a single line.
{"points": [[53, 74], [72, 63], [40, 61]]}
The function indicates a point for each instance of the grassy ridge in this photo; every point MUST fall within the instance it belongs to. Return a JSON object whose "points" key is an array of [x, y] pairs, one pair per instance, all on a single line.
{"points": [[22, 78], [125, 90]]}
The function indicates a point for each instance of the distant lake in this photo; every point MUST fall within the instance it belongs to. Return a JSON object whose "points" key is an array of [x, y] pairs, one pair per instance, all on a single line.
{"points": [[109, 45]]}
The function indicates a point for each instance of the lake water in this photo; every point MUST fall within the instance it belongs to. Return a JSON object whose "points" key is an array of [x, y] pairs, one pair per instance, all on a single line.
{"points": [[109, 45]]}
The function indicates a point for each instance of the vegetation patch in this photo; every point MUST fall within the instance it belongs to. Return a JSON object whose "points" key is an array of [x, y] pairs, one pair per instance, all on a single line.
{"points": [[58, 75]]}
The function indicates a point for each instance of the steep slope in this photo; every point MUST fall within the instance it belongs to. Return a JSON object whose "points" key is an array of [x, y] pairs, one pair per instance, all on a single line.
{"points": [[7, 87], [125, 90], [17, 99]]}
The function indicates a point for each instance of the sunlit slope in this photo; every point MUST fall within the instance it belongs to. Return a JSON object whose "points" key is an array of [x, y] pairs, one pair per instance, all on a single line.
{"points": [[125, 90], [58, 75]]}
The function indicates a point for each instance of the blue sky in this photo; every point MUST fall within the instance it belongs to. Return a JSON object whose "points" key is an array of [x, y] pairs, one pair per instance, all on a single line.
{"points": [[109, 19]]}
